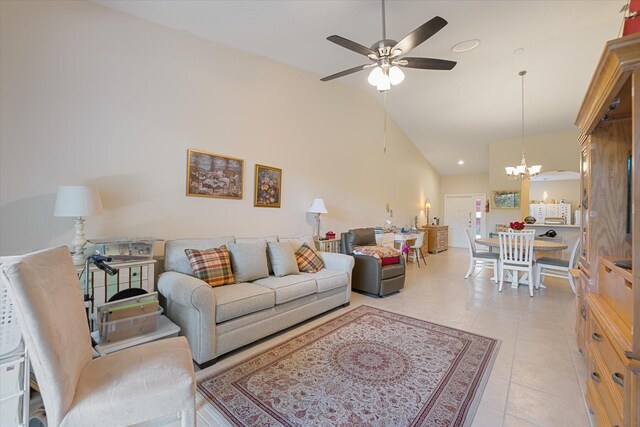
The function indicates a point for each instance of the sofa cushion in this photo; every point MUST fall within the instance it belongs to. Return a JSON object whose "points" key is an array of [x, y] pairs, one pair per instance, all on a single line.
{"points": [[329, 279], [249, 260], [175, 258], [240, 299], [393, 270], [289, 288], [211, 265], [282, 258], [307, 260]]}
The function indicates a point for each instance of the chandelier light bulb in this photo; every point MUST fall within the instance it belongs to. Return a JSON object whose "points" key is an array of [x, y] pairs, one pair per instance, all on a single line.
{"points": [[396, 75], [375, 76]]}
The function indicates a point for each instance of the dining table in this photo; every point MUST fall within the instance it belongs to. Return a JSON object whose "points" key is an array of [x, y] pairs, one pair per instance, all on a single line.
{"points": [[538, 245]]}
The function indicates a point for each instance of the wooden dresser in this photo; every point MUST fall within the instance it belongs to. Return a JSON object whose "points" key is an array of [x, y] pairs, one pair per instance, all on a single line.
{"points": [[438, 238], [607, 296]]}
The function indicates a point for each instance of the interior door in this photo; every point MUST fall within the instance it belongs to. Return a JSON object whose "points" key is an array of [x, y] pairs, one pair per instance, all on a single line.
{"points": [[461, 212]]}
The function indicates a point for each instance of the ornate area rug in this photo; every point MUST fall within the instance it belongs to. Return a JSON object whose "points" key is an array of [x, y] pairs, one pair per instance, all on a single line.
{"points": [[368, 367]]}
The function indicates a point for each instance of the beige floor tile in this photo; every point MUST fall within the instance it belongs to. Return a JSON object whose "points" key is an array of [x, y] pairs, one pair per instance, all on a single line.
{"points": [[511, 421], [487, 417], [545, 409], [546, 378]]}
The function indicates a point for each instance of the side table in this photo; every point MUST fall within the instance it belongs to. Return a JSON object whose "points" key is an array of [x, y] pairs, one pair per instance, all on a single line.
{"points": [[166, 329]]}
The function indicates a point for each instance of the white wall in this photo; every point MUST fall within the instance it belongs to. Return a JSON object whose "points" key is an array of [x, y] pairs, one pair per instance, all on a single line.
{"points": [[92, 96]]}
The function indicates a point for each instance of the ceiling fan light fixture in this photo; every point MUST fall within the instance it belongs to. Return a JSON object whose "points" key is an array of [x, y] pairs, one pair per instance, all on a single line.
{"points": [[375, 76], [384, 83], [396, 76]]}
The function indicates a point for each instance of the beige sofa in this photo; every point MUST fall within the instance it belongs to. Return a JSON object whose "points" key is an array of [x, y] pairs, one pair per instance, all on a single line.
{"points": [[223, 318]]}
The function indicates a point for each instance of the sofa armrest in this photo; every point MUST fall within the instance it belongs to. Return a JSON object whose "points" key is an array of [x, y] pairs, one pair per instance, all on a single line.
{"points": [[191, 304], [335, 261]]}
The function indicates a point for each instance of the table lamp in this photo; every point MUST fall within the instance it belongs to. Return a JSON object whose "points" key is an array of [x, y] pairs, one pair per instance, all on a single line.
{"points": [[317, 208], [427, 207], [77, 202]]}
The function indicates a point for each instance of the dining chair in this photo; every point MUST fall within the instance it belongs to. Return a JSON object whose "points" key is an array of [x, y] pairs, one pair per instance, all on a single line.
{"points": [[555, 267], [150, 382], [481, 258], [516, 254], [417, 249]]}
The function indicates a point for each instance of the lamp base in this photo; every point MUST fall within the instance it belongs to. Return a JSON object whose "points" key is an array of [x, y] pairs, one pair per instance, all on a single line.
{"points": [[78, 243]]}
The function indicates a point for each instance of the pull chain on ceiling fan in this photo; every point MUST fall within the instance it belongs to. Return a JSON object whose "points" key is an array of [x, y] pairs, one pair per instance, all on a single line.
{"points": [[386, 54]]}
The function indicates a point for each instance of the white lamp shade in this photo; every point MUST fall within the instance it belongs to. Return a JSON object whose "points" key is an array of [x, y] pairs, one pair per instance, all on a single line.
{"points": [[427, 205], [375, 75], [76, 201], [317, 207]]}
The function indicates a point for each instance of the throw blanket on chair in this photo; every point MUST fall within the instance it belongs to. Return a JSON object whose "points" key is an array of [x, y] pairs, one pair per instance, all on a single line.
{"points": [[384, 254]]}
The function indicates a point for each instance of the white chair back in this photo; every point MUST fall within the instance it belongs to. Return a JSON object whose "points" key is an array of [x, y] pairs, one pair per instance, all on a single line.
{"points": [[47, 297], [471, 240], [516, 248], [419, 241], [573, 259]]}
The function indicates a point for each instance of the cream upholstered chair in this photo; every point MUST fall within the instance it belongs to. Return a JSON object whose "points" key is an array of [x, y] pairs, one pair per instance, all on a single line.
{"points": [[516, 254], [555, 267], [153, 381], [481, 258], [417, 249]]}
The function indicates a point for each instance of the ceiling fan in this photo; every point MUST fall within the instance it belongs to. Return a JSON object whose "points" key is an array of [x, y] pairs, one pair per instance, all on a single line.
{"points": [[385, 55]]}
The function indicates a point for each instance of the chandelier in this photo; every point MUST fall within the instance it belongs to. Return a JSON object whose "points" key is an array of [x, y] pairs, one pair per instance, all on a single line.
{"points": [[522, 171]]}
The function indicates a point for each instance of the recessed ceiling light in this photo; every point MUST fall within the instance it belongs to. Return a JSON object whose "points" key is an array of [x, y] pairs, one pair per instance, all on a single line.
{"points": [[466, 46], [461, 162]]}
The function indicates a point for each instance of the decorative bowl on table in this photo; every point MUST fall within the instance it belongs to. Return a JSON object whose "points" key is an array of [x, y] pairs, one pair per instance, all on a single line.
{"points": [[516, 225]]}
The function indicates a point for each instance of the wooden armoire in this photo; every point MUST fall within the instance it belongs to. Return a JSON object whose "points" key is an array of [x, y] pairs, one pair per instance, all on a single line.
{"points": [[608, 296]]}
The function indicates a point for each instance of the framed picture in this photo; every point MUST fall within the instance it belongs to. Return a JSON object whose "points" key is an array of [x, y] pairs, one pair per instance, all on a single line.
{"points": [[213, 175], [268, 187], [505, 199]]}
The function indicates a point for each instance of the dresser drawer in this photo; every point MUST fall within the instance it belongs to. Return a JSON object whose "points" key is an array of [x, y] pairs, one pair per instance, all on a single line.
{"points": [[600, 342], [608, 390], [596, 407], [617, 292]]}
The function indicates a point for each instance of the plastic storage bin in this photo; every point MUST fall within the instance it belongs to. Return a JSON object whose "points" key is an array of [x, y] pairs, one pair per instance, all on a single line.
{"points": [[125, 328]]}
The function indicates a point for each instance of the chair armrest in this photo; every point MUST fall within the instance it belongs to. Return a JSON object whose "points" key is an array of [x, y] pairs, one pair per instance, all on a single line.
{"points": [[335, 261]]}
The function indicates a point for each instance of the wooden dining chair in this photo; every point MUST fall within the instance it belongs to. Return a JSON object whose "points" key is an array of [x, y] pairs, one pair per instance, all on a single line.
{"points": [[516, 254]]}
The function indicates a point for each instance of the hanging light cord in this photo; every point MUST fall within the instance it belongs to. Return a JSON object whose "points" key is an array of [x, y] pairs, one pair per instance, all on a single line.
{"points": [[384, 138], [522, 74]]}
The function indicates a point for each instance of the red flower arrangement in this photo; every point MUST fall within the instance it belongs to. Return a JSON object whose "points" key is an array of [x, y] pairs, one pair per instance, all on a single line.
{"points": [[516, 225]]}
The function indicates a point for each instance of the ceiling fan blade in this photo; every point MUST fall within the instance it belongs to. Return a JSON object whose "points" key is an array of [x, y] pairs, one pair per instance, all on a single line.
{"points": [[420, 34], [351, 45], [344, 73], [427, 63]]}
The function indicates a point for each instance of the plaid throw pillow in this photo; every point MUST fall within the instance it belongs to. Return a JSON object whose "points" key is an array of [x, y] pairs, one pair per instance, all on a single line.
{"points": [[211, 265], [307, 260]]}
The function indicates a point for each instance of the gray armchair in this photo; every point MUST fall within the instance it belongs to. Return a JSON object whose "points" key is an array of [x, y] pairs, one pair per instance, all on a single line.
{"points": [[368, 273]]}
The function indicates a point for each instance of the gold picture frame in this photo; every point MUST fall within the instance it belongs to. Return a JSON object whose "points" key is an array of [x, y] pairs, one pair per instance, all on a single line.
{"points": [[505, 199], [267, 187], [214, 175]]}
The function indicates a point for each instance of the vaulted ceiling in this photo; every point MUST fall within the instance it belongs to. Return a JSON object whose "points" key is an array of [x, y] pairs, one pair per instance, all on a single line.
{"points": [[449, 116]]}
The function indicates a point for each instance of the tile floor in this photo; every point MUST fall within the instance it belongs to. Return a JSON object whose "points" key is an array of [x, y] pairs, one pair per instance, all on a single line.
{"points": [[538, 376]]}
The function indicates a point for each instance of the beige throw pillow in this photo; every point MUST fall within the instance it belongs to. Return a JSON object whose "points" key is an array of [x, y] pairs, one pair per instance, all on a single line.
{"points": [[283, 259], [249, 261]]}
